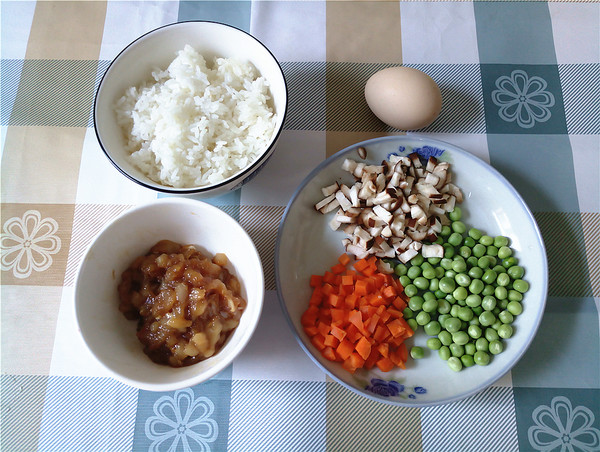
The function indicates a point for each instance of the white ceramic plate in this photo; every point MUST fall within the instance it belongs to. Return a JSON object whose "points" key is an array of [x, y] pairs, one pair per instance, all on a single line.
{"points": [[306, 245]]}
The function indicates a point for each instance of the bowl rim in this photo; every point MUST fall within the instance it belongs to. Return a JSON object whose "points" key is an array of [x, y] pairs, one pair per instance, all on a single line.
{"points": [[243, 174], [417, 404], [195, 379]]}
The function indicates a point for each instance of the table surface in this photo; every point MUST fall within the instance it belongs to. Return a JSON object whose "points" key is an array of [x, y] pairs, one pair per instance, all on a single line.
{"points": [[58, 190]]}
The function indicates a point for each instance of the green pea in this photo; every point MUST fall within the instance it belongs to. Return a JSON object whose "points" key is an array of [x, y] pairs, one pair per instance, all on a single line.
{"points": [[509, 262], [439, 293], [505, 331], [421, 283], [445, 337], [503, 279], [411, 290], [479, 250], [452, 324], [492, 251], [514, 295], [472, 261], [473, 300], [446, 231], [465, 313], [447, 285], [442, 319], [456, 349], [467, 360], [516, 272], [433, 343], [459, 265], [491, 334], [475, 273], [488, 303], [455, 364], [486, 318], [488, 290], [446, 263], [486, 240], [460, 293], [506, 317], [484, 262], [474, 331], [499, 269], [429, 273], [500, 241], [417, 352], [481, 358], [449, 250], [521, 285], [482, 344], [455, 239], [468, 241], [415, 302], [504, 252], [459, 226], [434, 260], [433, 328], [477, 310], [460, 337], [470, 348], [443, 306], [423, 318], [417, 260], [496, 347], [502, 304], [408, 313], [464, 251], [405, 281], [400, 269], [514, 307], [454, 310], [439, 272], [500, 292], [413, 272], [462, 279], [429, 296], [489, 276], [413, 324], [456, 214], [476, 286], [444, 353], [475, 234]]}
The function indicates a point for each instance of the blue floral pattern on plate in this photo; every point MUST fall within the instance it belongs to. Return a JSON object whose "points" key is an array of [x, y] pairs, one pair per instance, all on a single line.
{"points": [[393, 388]]}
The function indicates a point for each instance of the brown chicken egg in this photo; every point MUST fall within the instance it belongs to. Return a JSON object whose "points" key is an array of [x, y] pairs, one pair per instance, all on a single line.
{"points": [[403, 97]]}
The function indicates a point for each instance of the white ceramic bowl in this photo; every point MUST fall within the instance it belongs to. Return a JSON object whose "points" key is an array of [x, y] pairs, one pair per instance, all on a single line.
{"points": [[111, 337], [306, 245], [158, 48]]}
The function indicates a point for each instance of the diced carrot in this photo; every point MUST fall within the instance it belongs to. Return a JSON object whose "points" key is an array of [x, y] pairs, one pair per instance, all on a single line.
{"points": [[318, 341], [357, 360], [385, 364], [381, 333], [338, 269], [335, 300], [361, 287], [394, 313], [361, 264], [345, 349], [344, 259], [389, 292], [399, 303], [331, 341], [311, 330], [372, 359], [384, 349], [350, 301], [347, 280], [316, 280], [323, 328], [329, 353], [328, 277], [338, 333], [338, 315], [363, 347]]}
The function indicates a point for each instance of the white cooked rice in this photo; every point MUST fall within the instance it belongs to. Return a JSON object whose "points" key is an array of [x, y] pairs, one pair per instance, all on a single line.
{"points": [[195, 125]]}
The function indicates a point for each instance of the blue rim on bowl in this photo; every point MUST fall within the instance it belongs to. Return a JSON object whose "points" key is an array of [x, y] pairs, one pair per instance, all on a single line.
{"points": [[241, 177], [303, 232]]}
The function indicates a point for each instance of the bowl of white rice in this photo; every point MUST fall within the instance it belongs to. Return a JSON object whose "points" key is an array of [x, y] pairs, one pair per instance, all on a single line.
{"points": [[191, 108]]}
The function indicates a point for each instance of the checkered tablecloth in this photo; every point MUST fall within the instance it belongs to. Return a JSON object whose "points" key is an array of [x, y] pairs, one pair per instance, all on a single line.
{"points": [[58, 190]]}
